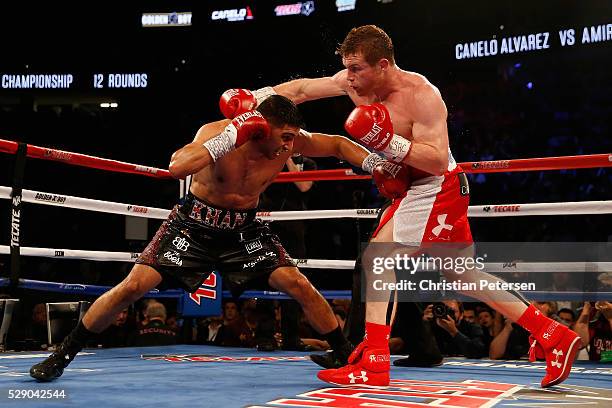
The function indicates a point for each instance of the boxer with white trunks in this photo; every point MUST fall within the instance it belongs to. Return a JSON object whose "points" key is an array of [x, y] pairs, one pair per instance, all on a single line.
{"points": [[403, 116]]}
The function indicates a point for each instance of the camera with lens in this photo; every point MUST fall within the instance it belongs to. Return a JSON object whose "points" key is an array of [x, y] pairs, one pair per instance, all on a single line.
{"points": [[441, 311]]}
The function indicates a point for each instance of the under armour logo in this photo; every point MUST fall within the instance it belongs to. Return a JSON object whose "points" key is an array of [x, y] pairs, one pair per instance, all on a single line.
{"points": [[557, 353], [361, 377], [442, 225], [180, 243]]}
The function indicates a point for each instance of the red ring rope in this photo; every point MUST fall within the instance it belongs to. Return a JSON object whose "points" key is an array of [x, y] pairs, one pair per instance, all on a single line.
{"points": [[495, 166], [84, 160]]}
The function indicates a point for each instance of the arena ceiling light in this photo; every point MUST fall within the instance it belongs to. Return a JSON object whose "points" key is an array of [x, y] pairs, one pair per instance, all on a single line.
{"points": [[346, 5]]}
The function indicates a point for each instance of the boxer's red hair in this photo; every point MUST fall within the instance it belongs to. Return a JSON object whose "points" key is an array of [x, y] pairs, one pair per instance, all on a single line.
{"points": [[373, 43]]}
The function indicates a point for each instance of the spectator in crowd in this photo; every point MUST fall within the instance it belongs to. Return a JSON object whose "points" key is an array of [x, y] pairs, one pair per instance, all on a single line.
{"points": [[512, 342], [487, 323], [36, 335], [604, 280], [234, 331], [412, 335], [586, 314], [562, 282], [155, 331], [117, 334], [595, 329], [208, 330], [469, 315], [141, 318], [454, 335], [173, 322], [568, 316]]}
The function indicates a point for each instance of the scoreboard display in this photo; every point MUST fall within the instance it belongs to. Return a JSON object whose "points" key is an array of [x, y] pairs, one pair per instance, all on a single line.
{"points": [[68, 80]]}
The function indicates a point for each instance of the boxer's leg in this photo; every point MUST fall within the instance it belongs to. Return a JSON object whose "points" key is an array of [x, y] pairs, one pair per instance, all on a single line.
{"points": [[382, 246], [316, 309], [509, 303], [549, 339], [100, 315], [102, 312], [370, 361]]}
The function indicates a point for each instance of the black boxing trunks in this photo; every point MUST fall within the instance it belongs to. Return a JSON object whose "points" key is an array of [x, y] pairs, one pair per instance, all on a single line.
{"points": [[198, 238]]}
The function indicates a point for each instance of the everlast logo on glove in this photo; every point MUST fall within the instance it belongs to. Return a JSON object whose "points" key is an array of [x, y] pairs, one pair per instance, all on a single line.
{"points": [[373, 133], [242, 118], [391, 168], [233, 92]]}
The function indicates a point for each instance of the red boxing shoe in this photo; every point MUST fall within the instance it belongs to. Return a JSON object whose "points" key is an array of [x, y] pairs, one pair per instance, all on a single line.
{"points": [[552, 341], [372, 369], [369, 364]]}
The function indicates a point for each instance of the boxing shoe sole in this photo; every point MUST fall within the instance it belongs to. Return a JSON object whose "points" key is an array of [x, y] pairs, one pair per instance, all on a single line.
{"points": [[379, 387], [370, 375]]}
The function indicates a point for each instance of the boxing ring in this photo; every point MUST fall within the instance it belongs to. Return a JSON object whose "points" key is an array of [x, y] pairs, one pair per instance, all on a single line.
{"points": [[215, 376]]}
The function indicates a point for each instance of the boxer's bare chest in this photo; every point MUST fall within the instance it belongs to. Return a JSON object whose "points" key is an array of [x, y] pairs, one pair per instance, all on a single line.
{"points": [[245, 175], [236, 181], [402, 116]]}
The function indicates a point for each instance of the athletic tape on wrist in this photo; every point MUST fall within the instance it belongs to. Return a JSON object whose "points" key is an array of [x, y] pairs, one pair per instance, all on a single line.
{"points": [[397, 149], [223, 143], [371, 161], [262, 94]]}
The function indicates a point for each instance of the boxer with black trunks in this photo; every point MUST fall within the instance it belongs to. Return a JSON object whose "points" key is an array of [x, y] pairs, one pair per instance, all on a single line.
{"points": [[403, 116], [214, 227], [196, 235]]}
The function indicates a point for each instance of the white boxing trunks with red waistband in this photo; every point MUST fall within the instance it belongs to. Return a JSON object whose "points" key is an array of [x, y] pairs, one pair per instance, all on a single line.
{"points": [[433, 210]]}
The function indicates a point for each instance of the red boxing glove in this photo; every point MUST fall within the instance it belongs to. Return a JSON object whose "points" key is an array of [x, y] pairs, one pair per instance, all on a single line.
{"points": [[250, 125], [392, 180], [371, 125], [235, 102]]}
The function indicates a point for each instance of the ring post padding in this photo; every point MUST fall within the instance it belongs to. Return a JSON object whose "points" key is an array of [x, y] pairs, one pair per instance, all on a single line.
{"points": [[15, 238]]}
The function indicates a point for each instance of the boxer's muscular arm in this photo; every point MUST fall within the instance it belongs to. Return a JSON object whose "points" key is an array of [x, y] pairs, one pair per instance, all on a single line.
{"points": [[193, 157], [429, 150], [307, 89], [323, 145]]}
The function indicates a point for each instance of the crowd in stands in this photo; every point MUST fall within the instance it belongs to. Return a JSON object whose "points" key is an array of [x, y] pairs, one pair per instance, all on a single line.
{"points": [[470, 330]]}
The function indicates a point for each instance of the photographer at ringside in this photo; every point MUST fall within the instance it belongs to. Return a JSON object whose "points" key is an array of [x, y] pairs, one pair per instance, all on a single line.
{"points": [[454, 335]]}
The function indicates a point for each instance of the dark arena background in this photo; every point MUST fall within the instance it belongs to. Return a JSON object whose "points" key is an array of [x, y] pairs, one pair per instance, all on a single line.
{"points": [[132, 81]]}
